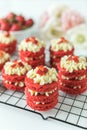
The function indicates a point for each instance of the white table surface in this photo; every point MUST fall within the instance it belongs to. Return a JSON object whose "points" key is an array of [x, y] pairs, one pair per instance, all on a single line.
{"points": [[16, 119]]}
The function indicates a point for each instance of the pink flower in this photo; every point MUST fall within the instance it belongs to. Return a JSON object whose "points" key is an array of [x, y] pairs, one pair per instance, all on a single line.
{"points": [[71, 18], [44, 18]]}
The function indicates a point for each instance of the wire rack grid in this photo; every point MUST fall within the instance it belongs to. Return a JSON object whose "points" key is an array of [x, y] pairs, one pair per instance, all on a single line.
{"points": [[70, 109]]}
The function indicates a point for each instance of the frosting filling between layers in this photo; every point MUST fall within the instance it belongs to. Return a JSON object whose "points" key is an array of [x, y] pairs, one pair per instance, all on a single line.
{"points": [[34, 93], [76, 78], [73, 87], [35, 58], [20, 84]]}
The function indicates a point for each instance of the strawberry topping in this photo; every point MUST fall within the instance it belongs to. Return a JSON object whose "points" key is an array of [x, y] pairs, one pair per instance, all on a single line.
{"points": [[75, 58], [42, 70], [62, 39], [16, 63], [20, 64], [1, 53], [32, 39]]}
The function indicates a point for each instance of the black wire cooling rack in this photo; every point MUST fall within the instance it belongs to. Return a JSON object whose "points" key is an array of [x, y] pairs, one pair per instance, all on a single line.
{"points": [[70, 109]]}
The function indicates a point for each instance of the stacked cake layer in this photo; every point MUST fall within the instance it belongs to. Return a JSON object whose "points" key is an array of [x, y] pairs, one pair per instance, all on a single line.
{"points": [[73, 74]]}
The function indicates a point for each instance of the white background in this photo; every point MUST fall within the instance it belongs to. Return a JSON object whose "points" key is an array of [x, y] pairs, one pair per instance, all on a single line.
{"points": [[16, 119], [35, 7]]}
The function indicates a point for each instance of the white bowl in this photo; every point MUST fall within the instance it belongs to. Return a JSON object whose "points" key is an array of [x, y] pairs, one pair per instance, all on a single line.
{"points": [[22, 34]]}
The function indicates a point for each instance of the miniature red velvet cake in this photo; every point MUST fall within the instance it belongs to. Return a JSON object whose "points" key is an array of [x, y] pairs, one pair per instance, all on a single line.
{"points": [[73, 74], [13, 74], [31, 51], [7, 42], [4, 57], [41, 88], [59, 48]]}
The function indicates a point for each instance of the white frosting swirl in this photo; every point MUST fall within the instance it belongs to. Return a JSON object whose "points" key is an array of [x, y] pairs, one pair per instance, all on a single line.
{"points": [[4, 57], [65, 46], [6, 39], [71, 65], [17, 69], [30, 46], [49, 77]]}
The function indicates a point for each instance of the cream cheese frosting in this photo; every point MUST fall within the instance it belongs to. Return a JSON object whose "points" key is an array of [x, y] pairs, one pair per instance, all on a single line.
{"points": [[41, 93], [30, 45], [63, 46], [20, 83], [71, 65], [48, 77], [16, 68], [4, 57], [77, 78], [6, 38]]}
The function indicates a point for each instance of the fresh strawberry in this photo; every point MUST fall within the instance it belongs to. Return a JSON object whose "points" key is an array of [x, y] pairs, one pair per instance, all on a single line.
{"points": [[20, 19], [4, 26], [29, 22], [15, 27], [3, 20], [11, 15], [13, 22]]}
